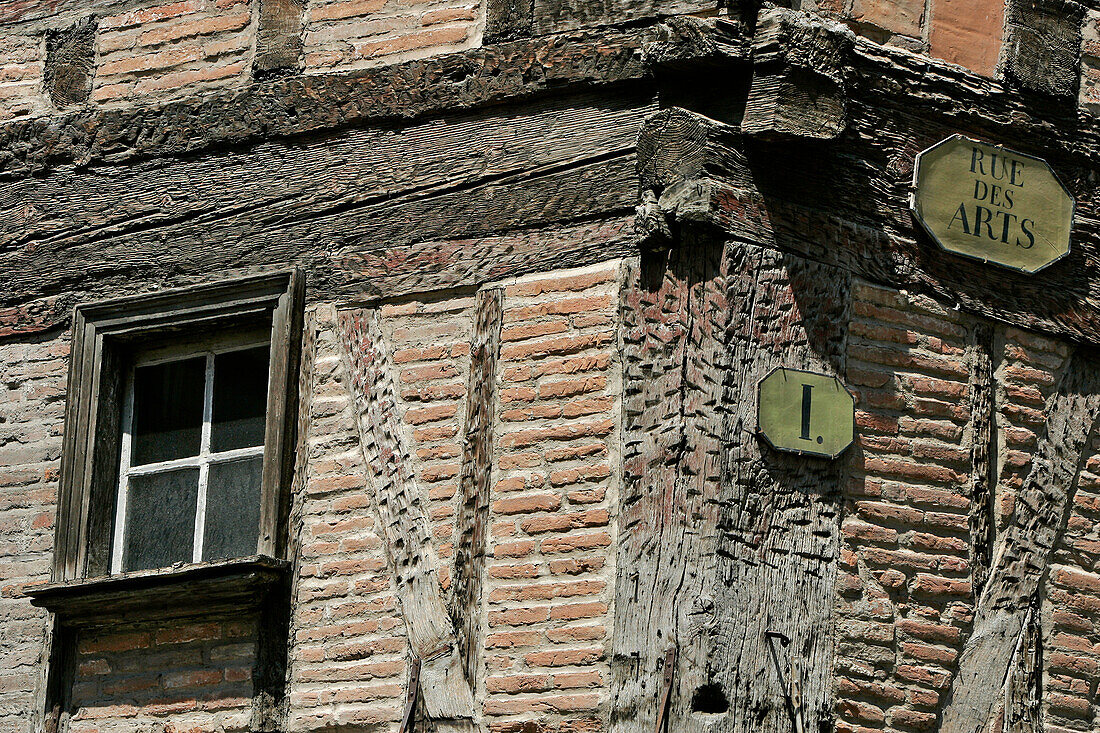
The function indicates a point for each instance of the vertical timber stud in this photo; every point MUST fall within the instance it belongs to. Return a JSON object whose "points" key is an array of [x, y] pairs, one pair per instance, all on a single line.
{"points": [[445, 693], [278, 37], [474, 480], [673, 316], [779, 514], [983, 452], [70, 63], [1043, 46], [1020, 565], [723, 539]]}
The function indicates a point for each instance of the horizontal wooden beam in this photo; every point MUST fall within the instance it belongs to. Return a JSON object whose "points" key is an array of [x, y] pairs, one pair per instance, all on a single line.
{"points": [[299, 105], [419, 206], [834, 204]]}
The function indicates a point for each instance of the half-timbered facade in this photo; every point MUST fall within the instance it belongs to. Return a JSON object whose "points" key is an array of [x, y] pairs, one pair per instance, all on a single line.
{"points": [[393, 365]]}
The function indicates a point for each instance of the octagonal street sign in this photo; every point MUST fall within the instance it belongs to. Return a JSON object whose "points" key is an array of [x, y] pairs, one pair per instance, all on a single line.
{"points": [[992, 204], [805, 412]]}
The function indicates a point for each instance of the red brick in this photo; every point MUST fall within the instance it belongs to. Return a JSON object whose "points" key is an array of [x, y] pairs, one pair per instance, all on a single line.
{"points": [[509, 639], [576, 634], [571, 543], [930, 631], [519, 616], [522, 331], [345, 9], [561, 284], [564, 657], [519, 548], [527, 504], [968, 33], [513, 684], [564, 522], [547, 591], [162, 60], [576, 566], [150, 15], [410, 42]]}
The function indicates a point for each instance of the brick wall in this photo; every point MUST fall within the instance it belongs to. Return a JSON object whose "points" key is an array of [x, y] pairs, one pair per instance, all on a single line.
{"points": [[32, 392], [22, 63], [347, 652], [1071, 612], [342, 34], [1025, 377], [173, 48], [904, 603], [149, 51], [905, 594], [430, 342], [552, 559], [177, 676], [550, 572]]}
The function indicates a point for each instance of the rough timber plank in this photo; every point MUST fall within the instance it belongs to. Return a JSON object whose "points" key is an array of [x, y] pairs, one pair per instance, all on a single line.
{"points": [[724, 538], [1042, 509], [319, 202], [984, 461], [674, 317], [362, 274], [399, 503], [298, 105], [475, 483], [780, 514]]}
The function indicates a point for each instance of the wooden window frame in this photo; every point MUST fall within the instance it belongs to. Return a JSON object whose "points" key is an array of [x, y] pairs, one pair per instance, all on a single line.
{"points": [[104, 334]]}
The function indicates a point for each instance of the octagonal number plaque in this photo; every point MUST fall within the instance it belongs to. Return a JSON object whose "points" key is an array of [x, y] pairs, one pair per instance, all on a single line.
{"points": [[992, 204], [805, 412]]}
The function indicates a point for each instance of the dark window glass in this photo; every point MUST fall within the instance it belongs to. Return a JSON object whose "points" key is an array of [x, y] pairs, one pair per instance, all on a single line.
{"points": [[232, 509], [240, 399], [160, 519], [168, 402]]}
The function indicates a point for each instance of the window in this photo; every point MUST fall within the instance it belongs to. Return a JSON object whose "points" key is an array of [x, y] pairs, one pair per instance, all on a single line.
{"points": [[192, 458], [179, 428]]}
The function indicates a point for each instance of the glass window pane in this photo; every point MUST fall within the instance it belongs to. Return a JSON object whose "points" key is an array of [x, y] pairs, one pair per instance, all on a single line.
{"points": [[232, 509], [160, 519], [240, 399], [168, 410]]}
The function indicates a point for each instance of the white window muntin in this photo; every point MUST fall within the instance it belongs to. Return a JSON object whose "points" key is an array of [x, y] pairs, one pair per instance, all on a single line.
{"points": [[202, 461]]}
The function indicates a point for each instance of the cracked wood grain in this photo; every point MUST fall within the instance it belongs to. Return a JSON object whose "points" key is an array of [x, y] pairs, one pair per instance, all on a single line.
{"points": [[721, 538], [400, 506], [1023, 553], [475, 479]]}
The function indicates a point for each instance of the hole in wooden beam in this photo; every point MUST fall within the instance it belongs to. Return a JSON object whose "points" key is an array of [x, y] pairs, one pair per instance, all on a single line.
{"points": [[710, 699]]}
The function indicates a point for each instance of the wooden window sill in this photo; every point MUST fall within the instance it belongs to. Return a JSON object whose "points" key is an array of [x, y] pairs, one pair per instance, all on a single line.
{"points": [[195, 589]]}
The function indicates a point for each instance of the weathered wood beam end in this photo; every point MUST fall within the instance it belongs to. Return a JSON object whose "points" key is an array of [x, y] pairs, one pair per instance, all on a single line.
{"points": [[798, 86], [1043, 46], [684, 159], [685, 42]]}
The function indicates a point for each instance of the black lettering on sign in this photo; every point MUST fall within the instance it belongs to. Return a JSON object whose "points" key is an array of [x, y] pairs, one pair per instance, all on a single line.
{"points": [[807, 395], [807, 399]]}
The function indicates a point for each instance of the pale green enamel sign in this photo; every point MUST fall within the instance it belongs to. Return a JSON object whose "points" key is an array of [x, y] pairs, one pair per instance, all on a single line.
{"points": [[992, 204], [805, 412]]}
